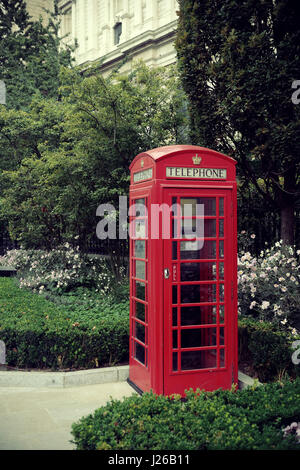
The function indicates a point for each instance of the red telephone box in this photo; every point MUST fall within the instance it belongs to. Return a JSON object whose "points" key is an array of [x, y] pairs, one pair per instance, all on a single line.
{"points": [[183, 270]]}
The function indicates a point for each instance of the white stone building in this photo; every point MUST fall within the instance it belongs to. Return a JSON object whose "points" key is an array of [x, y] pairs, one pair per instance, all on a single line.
{"points": [[107, 30], [36, 8]]}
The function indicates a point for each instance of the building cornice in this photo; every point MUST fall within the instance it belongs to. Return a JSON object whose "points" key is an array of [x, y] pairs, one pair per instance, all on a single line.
{"points": [[135, 45]]}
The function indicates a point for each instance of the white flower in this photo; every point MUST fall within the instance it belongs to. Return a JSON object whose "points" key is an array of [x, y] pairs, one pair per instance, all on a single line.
{"points": [[252, 236], [281, 279], [265, 304], [284, 289], [284, 321], [252, 304]]}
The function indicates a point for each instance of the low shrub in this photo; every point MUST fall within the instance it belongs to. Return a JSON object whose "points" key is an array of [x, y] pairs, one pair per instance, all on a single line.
{"points": [[250, 419], [269, 286], [266, 349], [86, 333], [62, 270]]}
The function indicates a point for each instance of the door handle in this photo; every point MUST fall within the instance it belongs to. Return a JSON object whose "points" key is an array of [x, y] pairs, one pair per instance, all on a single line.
{"points": [[166, 273]]}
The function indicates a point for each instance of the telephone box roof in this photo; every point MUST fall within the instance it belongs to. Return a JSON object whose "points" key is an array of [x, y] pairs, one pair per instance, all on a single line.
{"points": [[162, 152]]}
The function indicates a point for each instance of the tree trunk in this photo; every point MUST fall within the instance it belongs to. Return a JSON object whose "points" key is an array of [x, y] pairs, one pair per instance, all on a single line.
{"points": [[287, 208], [287, 216]]}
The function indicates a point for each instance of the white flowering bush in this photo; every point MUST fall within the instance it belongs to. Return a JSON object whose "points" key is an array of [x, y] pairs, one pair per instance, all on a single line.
{"points": [[60, 270], [293, 429], [269, 286]]}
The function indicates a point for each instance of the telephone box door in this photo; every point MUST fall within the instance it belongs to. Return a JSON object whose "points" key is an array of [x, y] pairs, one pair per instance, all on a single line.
{"points": [[199, 313]]}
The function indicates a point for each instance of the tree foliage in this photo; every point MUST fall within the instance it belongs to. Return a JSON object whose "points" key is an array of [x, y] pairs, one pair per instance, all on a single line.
{"points": [[238, 60], [30, 54], [74, 154]]}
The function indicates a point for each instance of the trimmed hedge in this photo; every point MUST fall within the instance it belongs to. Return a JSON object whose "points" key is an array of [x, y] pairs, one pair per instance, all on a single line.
{"points": [[247, 419], [92, 332], [39, 334]]}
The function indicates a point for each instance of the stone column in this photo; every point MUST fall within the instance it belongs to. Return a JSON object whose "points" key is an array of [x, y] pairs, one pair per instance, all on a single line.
{"points": [[93, 24], [152, 12], [138, 14], [173, 8], [106, 28], [125, 21]]}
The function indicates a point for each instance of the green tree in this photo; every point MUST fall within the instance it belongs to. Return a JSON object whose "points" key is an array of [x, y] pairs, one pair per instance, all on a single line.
{"points": [[75, 153], [30, 54], [238, 60]]}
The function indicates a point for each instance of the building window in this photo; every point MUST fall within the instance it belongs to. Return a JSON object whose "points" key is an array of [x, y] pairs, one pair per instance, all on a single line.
{"points": [[117, 33]]}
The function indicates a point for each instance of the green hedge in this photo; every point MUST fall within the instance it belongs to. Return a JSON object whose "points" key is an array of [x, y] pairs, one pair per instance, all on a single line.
{"points": [[87, 333], [267, 349], [246, 419], [39, 334]]}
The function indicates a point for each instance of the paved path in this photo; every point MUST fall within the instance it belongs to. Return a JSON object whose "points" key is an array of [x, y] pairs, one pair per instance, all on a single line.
{"points": [[41, 418]]}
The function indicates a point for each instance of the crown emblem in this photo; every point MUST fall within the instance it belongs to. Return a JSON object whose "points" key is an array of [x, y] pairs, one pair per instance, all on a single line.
{"points": [[197, 159], [142, 162]]}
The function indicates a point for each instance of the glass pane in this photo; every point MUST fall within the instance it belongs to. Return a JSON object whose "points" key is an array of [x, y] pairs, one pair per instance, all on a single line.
{"points": [[140, 208], [140, 269], [221, 271], [175, 361], [222, 341], [195, 293], [174, 294], [221, 228], [190, 207], [140, 249], [140, 229], [139, 331], [175, 229], [210, 227], [174, 316], [175, 344], [222, 357], [209, 205], [139, 352], [140, 311], [198, 359], [200, 249], [198, 206], [198, 271], [174, 206], [221, 249], [190, 294], [194, 338], [140, 290], [174, 250], [199, 315], [221, 206], [222, 313], [221, 292], [191, 228]]}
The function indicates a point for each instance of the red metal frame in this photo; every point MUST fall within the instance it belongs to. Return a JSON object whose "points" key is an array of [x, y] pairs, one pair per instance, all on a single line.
{"points": [[155, 340]]}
